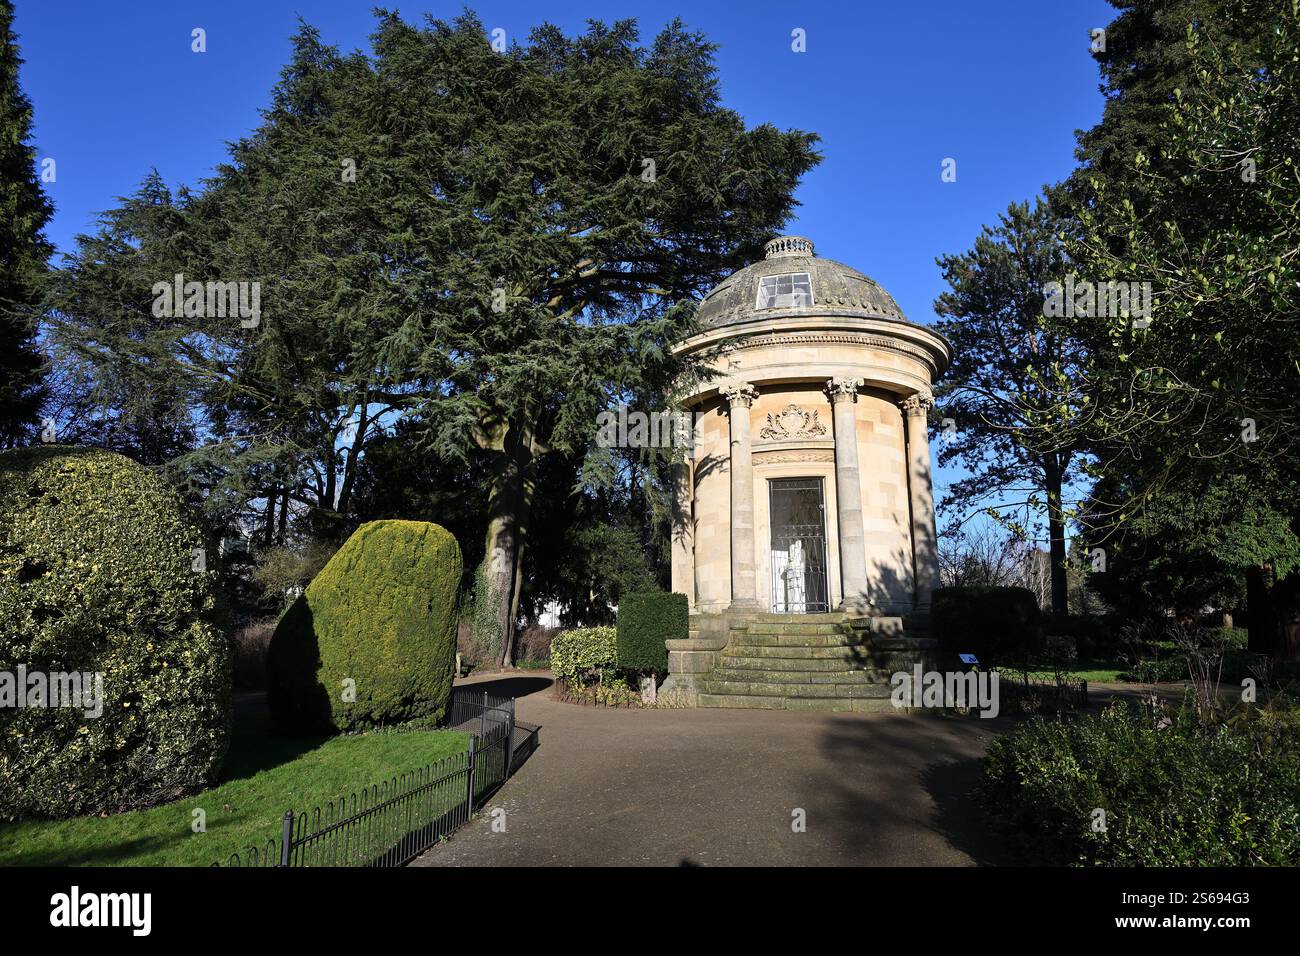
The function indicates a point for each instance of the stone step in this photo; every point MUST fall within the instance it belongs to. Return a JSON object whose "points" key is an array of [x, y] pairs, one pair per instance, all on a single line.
{"points": [[889, 662], [793, 627], [871, 676], [859, 705], [830, 652], [798, 640], [833, 617], [758, 688]]}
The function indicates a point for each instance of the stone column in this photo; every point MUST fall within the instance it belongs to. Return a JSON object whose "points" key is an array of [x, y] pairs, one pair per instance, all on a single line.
{"points": [[925, 553], [683, 528], [744, 579], [848, 494]]}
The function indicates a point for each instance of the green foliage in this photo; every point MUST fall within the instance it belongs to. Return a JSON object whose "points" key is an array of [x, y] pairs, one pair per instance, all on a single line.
{"points": [[593, 563], [382, 615], [645, 621], [1003, 362], [1144, 61], [1178, 551], [264, 775], [97, 575], [1094, 638], [496, 269], [1173, 795], [24, 251], [1190, 184], [484, 634], [1157, 671], [584, 653], [1235, 638], [1000, 626], [282, 569]]}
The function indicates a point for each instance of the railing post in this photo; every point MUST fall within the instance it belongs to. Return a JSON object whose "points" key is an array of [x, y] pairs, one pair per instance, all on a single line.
{"points": [[469, 787], [483, 717], [286, 838], [510, 738]]}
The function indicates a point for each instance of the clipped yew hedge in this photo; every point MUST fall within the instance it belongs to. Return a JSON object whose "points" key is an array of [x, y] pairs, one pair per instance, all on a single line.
{"points": [[645, 621], [97, 576], [372, 641]]}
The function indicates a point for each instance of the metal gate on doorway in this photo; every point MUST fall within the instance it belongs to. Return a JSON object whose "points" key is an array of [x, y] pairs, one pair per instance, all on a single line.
{"points": [[798, 518]]}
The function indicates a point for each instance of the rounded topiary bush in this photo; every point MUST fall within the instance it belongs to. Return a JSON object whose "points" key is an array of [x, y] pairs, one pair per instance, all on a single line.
{"points": [[372, 641], [98, 576]]}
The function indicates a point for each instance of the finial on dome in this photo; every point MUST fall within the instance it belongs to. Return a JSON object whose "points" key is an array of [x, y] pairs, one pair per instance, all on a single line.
{"points": [[788, 246]]}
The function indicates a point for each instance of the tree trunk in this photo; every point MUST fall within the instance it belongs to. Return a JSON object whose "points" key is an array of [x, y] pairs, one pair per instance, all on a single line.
{"points": [[268, 533], [1273, 611], [1056, 543], [511, 449], [350, 468], [282, 528], [508, 655]]}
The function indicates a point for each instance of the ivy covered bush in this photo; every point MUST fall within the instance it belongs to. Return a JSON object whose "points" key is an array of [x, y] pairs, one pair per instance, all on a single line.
{"points": [[372, 640], [1174, 793], [583, 654], [99, 575], [645, 621], [1000, 626]]}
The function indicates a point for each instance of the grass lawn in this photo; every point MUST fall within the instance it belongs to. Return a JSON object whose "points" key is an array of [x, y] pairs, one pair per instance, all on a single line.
{"points": [[1092, 673], [263, 777]]}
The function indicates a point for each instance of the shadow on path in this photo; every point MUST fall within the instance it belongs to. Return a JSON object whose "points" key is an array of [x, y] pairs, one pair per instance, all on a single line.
{"points": [[506, 685]]}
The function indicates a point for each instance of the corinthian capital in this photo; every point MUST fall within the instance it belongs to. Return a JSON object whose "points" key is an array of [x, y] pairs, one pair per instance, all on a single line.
{"points": [[918, 404], [739, 393], [843, 389]]}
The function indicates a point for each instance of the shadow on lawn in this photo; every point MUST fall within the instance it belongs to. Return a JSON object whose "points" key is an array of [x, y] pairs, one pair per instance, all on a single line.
{"points": [[254, 744]]}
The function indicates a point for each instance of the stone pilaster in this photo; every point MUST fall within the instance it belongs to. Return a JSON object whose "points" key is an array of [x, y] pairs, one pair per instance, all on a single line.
{"points": [[744, 579], [683, 529], [848, 494], [925, 552]]}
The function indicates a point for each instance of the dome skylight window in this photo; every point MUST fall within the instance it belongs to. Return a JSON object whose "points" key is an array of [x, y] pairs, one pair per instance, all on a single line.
{"points": [[786, 291]]}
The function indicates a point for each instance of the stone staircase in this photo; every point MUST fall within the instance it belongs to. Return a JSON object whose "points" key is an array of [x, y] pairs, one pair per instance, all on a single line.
{"points": [[824, 662]]}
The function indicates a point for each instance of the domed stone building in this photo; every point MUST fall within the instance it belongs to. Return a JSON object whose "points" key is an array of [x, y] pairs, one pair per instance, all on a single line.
{"points": [[804, 517]]}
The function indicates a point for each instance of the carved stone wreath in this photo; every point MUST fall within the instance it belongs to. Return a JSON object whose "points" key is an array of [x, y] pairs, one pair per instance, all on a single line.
{"points": [[792, 422]]}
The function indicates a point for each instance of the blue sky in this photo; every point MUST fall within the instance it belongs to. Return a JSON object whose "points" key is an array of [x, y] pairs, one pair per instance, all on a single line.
{"points": [[893, 89]]}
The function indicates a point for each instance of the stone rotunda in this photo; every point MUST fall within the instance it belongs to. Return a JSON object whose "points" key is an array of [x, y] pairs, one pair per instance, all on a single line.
{"points": [[804, 535]]}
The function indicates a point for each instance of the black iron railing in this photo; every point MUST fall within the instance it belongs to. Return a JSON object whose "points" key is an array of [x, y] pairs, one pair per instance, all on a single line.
{"points": [[391, 823], [479, 712]]}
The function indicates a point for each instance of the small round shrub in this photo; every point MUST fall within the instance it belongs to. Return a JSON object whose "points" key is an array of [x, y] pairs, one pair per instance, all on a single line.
{"points": [[372, 640], [98, 577], [578, 653]]}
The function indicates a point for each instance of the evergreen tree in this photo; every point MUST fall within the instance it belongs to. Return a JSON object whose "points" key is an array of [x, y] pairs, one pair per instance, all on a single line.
{"points": [[24, 251], [993, 316], [490, 244], [1192, 412]]}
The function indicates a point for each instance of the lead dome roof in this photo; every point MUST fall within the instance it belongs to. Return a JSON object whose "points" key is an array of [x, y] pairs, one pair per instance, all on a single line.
{"points": [[837, 289]]}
